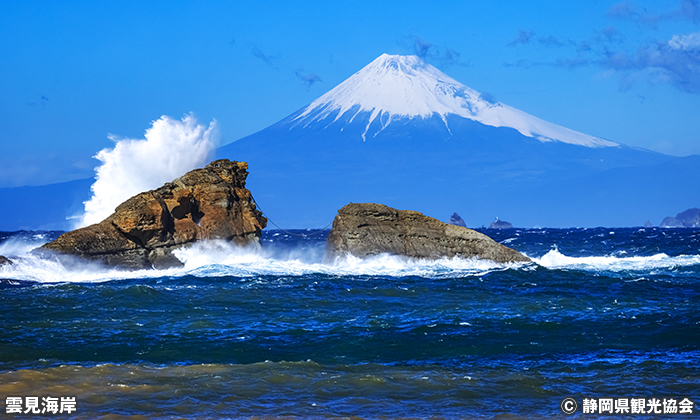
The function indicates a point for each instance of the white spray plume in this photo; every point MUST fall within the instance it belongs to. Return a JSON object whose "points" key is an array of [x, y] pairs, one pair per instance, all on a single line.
{"points": [[171, 148]]}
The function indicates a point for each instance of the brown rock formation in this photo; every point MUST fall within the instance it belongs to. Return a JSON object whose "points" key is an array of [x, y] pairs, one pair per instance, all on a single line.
{"points": [[208, 203], [368, 229]]}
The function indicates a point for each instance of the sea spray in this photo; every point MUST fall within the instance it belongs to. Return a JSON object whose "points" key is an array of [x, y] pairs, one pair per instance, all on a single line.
{"points": [[556, 260], [281, 254], [170, 149], [223, 258]]}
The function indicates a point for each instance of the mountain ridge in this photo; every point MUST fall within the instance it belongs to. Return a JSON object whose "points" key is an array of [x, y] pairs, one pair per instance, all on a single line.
{"points": [[352, 146], [395, 86]]}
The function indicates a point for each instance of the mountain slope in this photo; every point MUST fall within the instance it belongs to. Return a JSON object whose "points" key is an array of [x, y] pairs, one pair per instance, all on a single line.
{"points": [[398, 87], [402, 133]]}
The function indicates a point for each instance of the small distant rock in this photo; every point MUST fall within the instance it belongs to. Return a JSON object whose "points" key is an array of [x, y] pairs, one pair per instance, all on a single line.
{"points": [[648, 224], [689, 218], [456, 220], [364, 229], [4, 260], [500, 224]]}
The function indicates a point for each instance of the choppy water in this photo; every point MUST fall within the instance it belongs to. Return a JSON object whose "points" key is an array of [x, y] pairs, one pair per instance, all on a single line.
{"points": [[279, 333]]}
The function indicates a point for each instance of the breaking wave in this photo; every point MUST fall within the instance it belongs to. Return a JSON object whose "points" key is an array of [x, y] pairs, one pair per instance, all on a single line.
{"points": [[556, 260], [220, 258]]}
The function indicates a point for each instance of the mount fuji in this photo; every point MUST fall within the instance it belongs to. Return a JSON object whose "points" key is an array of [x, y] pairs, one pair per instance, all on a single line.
{"points": [[402, 133], [394, 88]]}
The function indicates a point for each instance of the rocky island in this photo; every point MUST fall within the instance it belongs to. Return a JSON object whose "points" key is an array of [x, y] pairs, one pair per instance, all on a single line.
{"points": [[207, 203], [456, 219], [364, 229], [500, 224], [689, 218]]}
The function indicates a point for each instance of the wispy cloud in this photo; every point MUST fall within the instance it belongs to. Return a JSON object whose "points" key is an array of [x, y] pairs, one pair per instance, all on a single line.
{"points": [[422, 47], [569, 63], [451, 57], [676, 62], [623, 10], [572, 62], [308, 78], [690, 10], [42, 101], [524, 37], [550, 41], [582, 47], [444, 56], [276, 62], [609, 34], [527, 37], [488, 97], [267, 59], [687, 10], [521, 63]]}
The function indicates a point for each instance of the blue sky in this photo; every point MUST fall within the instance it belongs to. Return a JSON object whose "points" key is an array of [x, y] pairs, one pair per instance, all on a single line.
{"points": [[74, 72]]}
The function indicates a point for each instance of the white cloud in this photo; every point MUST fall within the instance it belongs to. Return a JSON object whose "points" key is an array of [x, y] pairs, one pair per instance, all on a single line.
{"points": [[686, 42]]}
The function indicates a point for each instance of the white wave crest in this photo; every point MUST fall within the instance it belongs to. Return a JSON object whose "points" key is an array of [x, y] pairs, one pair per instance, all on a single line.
{"points": [[556, 260], [221, 258], [227, 259], [170, 149], [31, 267], [14, 247]]}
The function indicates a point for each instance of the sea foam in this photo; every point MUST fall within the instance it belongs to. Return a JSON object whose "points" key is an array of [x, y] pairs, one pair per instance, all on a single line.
{"points": [[220, 258], [170, 149], [556, 260]]}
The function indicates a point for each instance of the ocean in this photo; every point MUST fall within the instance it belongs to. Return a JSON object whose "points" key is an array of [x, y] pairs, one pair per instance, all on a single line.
{"points": [[607, 317]]}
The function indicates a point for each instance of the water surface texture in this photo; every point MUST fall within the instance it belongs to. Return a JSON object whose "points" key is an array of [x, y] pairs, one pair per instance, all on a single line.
{"points": [[240, 333]]}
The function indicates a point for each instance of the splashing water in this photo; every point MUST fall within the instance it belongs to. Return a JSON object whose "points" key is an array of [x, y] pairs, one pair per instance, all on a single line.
{"points": [[556, 260], [170, 149]]}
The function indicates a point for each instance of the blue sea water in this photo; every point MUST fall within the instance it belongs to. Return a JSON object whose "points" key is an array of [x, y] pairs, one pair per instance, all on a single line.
{"points": [[278, 332]]}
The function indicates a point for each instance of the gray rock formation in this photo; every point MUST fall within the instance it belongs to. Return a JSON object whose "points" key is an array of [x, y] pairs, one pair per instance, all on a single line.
{"points": [[4, 260], [500, 224], [688, 218], [208, 203], [368, 229], [456, 220]]}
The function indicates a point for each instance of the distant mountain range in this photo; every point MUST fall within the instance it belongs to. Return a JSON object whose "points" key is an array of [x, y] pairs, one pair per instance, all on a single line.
{"points": [[688, 218], [401, 133]]}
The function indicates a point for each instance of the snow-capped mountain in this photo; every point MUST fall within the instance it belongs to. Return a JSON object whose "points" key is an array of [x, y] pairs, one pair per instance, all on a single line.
{"points": [[402, 133], [395, 87]]}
